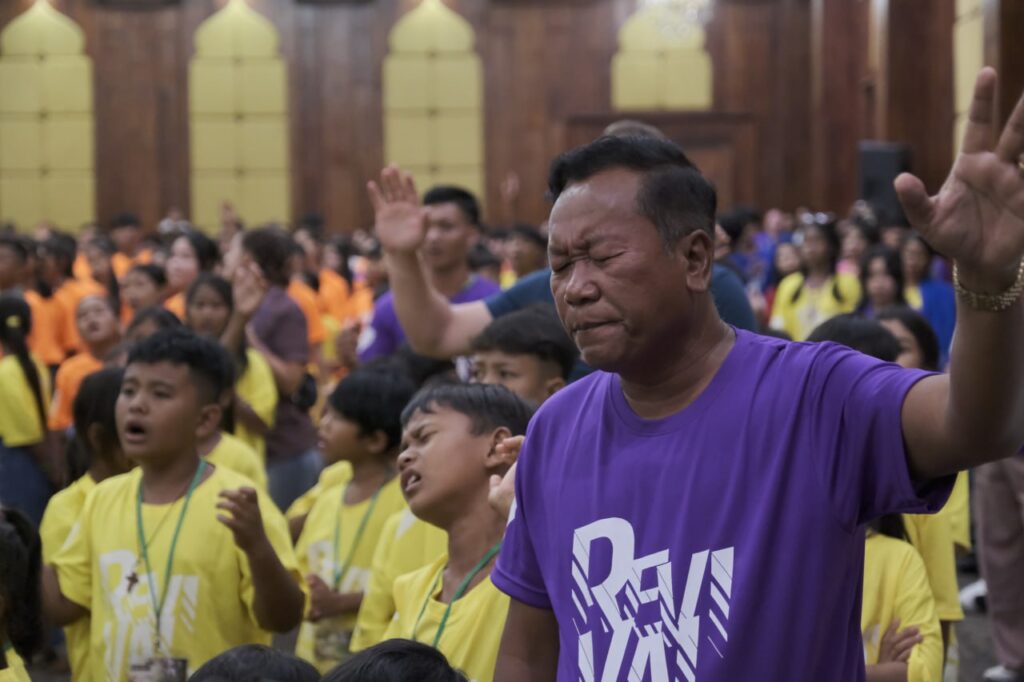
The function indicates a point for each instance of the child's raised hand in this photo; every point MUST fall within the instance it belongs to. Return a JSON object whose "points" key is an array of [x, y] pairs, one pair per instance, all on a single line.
{"points": [[897, 645], [248, 289], [503, 492], [243, 518]]}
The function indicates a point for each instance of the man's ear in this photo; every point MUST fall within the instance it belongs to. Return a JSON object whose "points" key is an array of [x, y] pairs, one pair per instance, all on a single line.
{"points": [[210, 417], [697, 251], [376, 442], [498, 460]]}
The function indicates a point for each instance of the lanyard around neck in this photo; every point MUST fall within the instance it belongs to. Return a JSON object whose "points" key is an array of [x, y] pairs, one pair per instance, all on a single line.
{"points": [[158, 604], [342, 569], [460, 591]]}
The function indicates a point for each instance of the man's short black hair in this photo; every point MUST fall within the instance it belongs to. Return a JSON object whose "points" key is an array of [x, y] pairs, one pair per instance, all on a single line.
{"points": [[673, 194], [271, 248], [865, 336], [450, 194], [154, 272], [208, 362], [535, 331], [481, 257], [487, 406], [374, 397], [255, 663], [64, 249], [313, 225], [530, 234], [396, 660], [16, 246], [125, 220]]}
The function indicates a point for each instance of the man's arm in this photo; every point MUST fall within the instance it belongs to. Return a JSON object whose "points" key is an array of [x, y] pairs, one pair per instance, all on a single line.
{"points": [[433, 326], [59, 610], [529, 647], [972, 416]]}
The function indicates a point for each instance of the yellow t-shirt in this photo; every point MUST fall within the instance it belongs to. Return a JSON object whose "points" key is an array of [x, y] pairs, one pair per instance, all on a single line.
{"points": [[317, 554], [20, 422], [15, 670], [896, 586], [958, 512], [913, 297], [257, 388], [62, 511], [931, 536], [232, 453], [335, 474], [406, 545], [470, 639], [813, 306], [210, 594]]}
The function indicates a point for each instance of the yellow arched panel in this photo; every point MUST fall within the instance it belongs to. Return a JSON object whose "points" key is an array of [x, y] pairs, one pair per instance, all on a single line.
{"points": [[659, 69], [46, 121], [433, 98], [238, 91]]}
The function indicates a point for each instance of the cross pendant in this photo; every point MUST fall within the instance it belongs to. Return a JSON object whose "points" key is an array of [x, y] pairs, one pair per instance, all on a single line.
{"points": [[132, 581]]}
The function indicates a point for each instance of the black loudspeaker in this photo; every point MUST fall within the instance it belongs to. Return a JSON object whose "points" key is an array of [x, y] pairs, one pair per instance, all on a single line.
{"points": [[880, 163]]}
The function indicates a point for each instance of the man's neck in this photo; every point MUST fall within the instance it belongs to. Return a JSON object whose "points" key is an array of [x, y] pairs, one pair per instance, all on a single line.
{"points": [[664, 390], [470, 537], [165, 483], [450, 282]]}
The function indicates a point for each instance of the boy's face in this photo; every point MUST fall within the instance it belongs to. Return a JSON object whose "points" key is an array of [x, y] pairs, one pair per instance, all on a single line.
{"points": [[161, 413], [11, 268], [443, 465], [525, 375], [140, 291], [341, 439], [97, 323], [126, 239]]}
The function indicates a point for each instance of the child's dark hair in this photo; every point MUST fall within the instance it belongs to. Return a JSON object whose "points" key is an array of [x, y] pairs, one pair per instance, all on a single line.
{"points": [[487, 406], [866, 336], [396, 660], [918, 325], [21, 622], [125, 220], [15, 327], [95, 406], [449, 194], [255, 663], [16, 246], [830, 233], [63, 248], [222, 288], [535, 331], [271, 248], [893, 267], [422, 370], [207, 361], [206, 250], [158, 315], [374, 397], [106, 245], [155, 273]]}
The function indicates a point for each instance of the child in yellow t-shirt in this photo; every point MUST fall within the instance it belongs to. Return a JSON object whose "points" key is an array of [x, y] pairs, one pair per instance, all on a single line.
{"points": [[28, 461], [20, 634], [177, 560], [452, 433], [97, 448], [362, 425]]}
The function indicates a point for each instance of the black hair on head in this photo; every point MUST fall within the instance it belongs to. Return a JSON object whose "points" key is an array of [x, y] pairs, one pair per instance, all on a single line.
{"points": [[64, 249], [421, 369], [487, 406], [102, 243], [313, 225], [864, 336], [530, 234], [673, 194], [255, 663], [20, 598], [206, 250], [155, 273], [893, 267], [125, 220], [208, 362], [218, 284], [449, 194], [15, 329], [735, 221], [396, 660], [94, 405], [271, 248], [161, 317], [481, 257], [373, 397], [16, 246], [535, 331], [890, 525], [918, 325]]}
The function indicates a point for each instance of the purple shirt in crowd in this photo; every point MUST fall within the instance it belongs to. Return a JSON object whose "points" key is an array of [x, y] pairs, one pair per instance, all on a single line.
{"points": [[722, 543], [281, 326], [384, 335]]}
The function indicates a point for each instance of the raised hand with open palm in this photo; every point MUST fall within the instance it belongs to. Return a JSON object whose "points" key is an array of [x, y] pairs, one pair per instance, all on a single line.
{"points": [[401, 221]]}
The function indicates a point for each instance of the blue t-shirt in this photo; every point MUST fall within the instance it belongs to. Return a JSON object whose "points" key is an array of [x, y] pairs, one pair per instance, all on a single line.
{"points": [[724, 542]]}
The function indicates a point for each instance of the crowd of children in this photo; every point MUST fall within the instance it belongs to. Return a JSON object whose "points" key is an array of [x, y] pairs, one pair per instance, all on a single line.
{"points": [[238, 442]]}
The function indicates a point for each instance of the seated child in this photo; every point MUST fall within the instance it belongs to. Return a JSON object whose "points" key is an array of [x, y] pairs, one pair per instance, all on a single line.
{"points": [[21, 625], [143, 287], [396, 660], [362, 426], [255, 662], [149, 321], [100, 453], [451, 436], [177, 560]]}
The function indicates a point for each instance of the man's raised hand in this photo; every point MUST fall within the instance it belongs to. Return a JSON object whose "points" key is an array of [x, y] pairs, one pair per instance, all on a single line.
{"points": [[400, 219]]}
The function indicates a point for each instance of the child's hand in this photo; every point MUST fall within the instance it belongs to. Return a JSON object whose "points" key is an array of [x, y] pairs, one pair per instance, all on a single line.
{"points": [[245, 520], [248, 289], [319, 597], [897, 645], [503, 492]]}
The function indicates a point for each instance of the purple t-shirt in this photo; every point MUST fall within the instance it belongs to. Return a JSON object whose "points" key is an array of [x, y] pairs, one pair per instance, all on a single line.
{"points": [[384, 335], [724, 542]]}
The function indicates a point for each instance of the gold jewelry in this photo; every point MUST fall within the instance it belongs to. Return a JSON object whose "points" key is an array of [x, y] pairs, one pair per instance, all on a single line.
{"points": [[990, 303], [1020, 163]]}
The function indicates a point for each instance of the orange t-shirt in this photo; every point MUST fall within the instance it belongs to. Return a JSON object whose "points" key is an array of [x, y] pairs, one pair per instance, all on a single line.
{"points": [[176, 304], [333, 295], [121, 263], [305, 297], [81, 269], [48, 340], [360, 303], [69, 379], [70, 294]]}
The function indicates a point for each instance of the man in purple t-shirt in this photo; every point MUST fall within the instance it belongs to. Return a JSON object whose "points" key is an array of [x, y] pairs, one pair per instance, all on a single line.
{"points": [[451, 220], [694, 510]]}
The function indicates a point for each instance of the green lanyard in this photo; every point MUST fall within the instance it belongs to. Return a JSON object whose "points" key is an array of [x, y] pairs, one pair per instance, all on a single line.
{"points": [[342, 569], [460, 591], [159, 605]]}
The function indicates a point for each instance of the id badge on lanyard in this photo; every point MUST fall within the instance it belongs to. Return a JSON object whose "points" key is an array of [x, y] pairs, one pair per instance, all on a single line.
{"points": [[159, 670]]}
